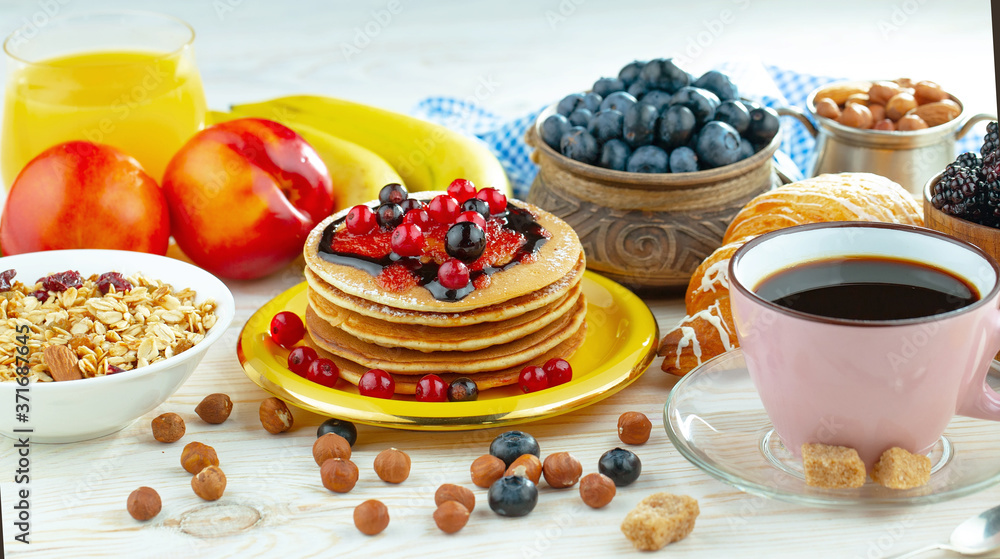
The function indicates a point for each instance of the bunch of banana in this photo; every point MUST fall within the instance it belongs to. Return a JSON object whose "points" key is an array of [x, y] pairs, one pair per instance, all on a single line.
{"points": [[427, 156]]}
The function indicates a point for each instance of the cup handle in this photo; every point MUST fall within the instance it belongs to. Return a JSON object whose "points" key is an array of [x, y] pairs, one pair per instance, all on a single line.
{"points": [[799, 115], [980, 400], [973, 120]]}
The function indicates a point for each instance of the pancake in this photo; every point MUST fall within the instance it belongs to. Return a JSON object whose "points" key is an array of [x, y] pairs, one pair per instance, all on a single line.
{"points": [[554, 259], [431, 338], [408, 361], [493, 313]]}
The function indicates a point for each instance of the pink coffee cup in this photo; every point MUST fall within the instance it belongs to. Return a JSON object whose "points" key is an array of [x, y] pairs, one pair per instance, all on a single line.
{"points": [[868, 385]]}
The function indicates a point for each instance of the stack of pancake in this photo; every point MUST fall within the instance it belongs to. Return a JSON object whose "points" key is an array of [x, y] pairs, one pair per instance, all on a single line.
{"points": [[529, 313]]}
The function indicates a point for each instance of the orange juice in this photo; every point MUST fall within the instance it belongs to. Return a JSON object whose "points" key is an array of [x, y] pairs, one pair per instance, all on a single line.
{"points": [[146, 104]]}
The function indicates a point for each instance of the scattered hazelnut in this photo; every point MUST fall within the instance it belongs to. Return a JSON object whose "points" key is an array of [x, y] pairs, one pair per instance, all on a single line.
{"points": [[596, 490], [899, 105], [878, 112], [168, 427], [392, 465], [215, 408], [634, 427], [884, 124], [911, 122], [330, 445], [209, 484], [486, 469], [339, 475], [881, 92], [451, 516], [452, 492], [274, 416], [856, 115], [531, 464], [197, 456], [928, 92], [144, 503], [827, 108], [561, 469], [371, 517]]}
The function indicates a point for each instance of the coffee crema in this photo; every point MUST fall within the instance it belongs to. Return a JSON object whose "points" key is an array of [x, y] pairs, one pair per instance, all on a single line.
{"points": [[867, 288]]}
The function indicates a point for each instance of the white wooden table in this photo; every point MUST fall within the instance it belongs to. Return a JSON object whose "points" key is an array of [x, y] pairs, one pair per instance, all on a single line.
{"points": [[534, 52]]}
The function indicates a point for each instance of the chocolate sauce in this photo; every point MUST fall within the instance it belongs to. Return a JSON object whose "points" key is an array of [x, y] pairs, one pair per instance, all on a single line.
{"points": [[515, 219]]}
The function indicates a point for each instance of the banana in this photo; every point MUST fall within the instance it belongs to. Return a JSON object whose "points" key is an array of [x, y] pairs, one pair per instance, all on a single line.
{"points": [[357, 173], [428, 156]]}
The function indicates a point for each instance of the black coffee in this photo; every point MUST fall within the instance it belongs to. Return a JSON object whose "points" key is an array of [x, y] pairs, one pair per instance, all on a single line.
{"points": [[867, 288]]}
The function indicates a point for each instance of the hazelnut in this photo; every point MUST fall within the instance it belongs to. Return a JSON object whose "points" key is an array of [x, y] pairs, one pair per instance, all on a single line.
{"points": [[144, 503], [899, 105], [530, 463], [371, 517], [910, 122], [634, 427], [215, 408], [885, 125], [451, 516], [827, 108], [878, 111], [928, 92], [197, 456], [596, 490], [452, 492], [168, 427], [209, 484], [881, 92], [561, 469], [274, 416], [338, 475], [392, 465], [330, 445], [856, 116], [486, 469], [859, 98], [905, 83]]}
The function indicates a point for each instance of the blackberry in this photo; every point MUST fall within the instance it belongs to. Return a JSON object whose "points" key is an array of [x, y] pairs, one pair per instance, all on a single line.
{"points": [[955, 194], [969, 159], [989, 205], [991, 153]]}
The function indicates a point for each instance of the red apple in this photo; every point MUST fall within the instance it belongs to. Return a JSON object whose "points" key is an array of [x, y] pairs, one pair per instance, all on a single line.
{"points": [[243, 196], [84, 195]]}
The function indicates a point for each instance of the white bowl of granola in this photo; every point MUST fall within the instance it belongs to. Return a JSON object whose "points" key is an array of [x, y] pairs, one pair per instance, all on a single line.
{"points": [[85, 356]]}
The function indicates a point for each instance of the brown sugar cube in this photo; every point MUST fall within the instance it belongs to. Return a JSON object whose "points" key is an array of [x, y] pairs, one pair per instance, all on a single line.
{"points": [[660, 519], [833, 467], [898, 469]]}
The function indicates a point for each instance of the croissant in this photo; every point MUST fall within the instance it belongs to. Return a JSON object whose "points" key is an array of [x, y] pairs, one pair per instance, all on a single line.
{"points": [[707, 330]]}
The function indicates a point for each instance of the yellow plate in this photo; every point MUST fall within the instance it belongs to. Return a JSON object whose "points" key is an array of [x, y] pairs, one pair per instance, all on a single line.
{"points": [[620, 345]]}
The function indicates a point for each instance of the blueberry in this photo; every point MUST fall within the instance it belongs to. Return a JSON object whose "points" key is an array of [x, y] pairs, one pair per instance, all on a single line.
{"points": [[463, 389], [702, 102], [622, 466], [618, 101], [606, 86], [684, 160], [647, 159], [389, 215], [763, 127], [570, 103], [508, 446], [592, 101], [735, 114], [746, 150], [719, 84], [676, 126], [750, 105], [392, 193], [630, 72], [615, 154], [465, 240], [553, 129], [476, 205], [639, 88], [411, 204], [662, 73], [606, 125], [343, 428], [513, 496], [718, 145], [639, 124], [579, 145], [580, 117], [657, 98]]}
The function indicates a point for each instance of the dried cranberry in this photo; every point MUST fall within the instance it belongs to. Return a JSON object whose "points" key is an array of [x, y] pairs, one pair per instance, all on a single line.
{"points": [[113, 369], [108, 279], [6, 277], [62, 281], [41, 295]]}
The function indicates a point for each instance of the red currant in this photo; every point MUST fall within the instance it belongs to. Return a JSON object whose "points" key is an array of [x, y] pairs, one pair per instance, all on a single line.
{"points": [[462, 190], [287, 329], [361, 220], [533, 379], [418, 217], [443, 209], [453, 274], [323, 372], [300, 358], [407, 240], [377, 384], [432, 388], [558, 371], [496, 199], [474, 217]]}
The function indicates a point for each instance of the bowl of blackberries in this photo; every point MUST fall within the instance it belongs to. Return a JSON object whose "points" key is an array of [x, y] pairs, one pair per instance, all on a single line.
{"points": [[651, 165]]}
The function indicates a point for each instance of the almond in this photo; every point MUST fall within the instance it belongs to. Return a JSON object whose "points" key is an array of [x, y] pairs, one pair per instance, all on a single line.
{"points": [[61, 362], [938, 112], [838, 93]]}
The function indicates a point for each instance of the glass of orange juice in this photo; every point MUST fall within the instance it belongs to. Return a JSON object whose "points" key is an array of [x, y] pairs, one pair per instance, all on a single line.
{"points": [[127, 79]]}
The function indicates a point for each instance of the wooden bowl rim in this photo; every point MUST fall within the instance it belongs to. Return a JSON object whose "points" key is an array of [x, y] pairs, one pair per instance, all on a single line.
{"points": [[982, 231]]}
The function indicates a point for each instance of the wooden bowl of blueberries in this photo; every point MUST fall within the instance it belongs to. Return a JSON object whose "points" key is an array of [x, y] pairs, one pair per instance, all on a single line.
{"points": [[649, 168]]}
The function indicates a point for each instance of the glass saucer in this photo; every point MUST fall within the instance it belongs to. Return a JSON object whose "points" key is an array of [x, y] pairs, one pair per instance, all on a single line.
{"points": [[716, 420]]}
